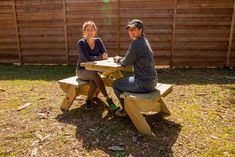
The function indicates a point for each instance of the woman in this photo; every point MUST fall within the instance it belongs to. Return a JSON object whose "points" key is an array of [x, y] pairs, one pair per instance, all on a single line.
{"points": [[92, 49], [139, 55]]}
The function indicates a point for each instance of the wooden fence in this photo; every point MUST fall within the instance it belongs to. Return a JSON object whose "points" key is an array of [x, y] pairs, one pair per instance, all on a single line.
{"points": [[191, 33]]}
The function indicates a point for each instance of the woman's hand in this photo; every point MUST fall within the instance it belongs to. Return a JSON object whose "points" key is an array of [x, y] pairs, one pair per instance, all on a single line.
{"points": [[116, 58], [105, 56]]}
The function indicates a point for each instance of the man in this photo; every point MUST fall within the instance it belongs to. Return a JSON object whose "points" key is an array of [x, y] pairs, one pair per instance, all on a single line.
{"points": [[140, 56]]}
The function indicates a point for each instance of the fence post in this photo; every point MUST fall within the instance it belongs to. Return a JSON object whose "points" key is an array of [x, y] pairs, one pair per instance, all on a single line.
{"points": [[231, 36], [66, 33], [17, 32], [173, 33]]}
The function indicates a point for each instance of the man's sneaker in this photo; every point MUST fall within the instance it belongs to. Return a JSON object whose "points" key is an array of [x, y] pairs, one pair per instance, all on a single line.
{"points": [[89, 105], [64, 110], [121, 113], [111, 104]]}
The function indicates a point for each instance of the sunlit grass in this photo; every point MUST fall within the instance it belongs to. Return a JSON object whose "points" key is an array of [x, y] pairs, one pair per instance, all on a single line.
{"points": [[202, 118]]}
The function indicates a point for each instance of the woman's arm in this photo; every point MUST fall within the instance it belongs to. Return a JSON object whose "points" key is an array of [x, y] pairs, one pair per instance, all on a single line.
{"points": [[102, 49]]}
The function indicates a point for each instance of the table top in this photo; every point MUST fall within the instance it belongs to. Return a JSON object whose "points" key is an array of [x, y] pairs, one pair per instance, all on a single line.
{"points": [[102, 65]]}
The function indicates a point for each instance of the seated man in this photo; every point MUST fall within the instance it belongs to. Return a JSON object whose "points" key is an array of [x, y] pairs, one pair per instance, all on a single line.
{"points": [[139, 55]]}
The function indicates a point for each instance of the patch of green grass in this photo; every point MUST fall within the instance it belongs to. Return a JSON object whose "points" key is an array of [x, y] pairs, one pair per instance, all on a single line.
{"points": [[119, 154], [190, 114], [20, 135], [4, 153], [61, 139], [228, 130], [232, 89], [35, 72], [27, 134], [215, 149], [215, 92]]}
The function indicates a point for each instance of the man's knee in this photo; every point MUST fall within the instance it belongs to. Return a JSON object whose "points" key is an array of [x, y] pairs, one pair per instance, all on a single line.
{"points": [[115, 84]]}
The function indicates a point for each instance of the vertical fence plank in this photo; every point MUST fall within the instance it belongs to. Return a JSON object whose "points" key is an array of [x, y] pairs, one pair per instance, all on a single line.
{"points": [[173, 33], [17, 32], [66, 33], [231, 36], [118, 27]]}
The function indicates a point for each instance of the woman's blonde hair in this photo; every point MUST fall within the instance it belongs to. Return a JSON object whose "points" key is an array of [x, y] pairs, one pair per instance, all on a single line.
{"points": [[86, 24]]}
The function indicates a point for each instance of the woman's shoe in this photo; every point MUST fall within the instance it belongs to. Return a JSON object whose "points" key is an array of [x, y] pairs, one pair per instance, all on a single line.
{"points": [[121, 113], [89, 105], [96, 100], [111, 104]]}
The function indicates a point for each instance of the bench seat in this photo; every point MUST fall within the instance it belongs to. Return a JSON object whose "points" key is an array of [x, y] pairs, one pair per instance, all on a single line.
{"points": [[137, 104], [161, 90], [73, 87]]}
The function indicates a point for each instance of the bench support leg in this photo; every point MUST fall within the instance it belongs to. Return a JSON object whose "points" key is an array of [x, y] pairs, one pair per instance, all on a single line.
{"points": [[136, 117], [164, 107], [69, 98]]}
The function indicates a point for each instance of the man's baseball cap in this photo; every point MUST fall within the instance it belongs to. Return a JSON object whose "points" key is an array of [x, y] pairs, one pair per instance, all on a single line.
{"points": [[135, 23]]}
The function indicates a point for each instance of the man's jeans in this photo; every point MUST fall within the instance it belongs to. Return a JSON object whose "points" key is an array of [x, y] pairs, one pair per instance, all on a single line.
{"points": [[131, 84]]}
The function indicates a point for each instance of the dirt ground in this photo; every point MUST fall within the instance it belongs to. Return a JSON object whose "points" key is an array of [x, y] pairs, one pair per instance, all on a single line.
{"points": [[201, 123]]}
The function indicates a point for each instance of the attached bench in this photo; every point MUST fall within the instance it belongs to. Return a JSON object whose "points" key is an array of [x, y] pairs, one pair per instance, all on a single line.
{"points": [[148, 103], [73, 87]]}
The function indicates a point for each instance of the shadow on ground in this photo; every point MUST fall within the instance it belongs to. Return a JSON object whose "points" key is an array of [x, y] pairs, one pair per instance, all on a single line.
{"points": [[101, 129]]}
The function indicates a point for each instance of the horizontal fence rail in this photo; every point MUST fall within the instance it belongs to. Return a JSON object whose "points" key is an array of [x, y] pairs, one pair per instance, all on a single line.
{"points": [[182, 33]]}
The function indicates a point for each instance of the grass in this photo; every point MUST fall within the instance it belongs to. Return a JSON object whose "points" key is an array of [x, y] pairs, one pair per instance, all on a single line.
{"points": [[201, 124]]}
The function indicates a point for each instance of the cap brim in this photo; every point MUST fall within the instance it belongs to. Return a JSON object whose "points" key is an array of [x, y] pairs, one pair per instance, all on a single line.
{"points": [[130, 26]]}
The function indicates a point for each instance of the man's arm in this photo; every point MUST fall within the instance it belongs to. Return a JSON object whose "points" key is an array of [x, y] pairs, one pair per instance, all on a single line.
{"points": [[130, 57]]}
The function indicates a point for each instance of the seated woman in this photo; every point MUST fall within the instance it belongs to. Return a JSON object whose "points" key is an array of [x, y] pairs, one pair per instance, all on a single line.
{"points": [[140, 56], [92, 49]]}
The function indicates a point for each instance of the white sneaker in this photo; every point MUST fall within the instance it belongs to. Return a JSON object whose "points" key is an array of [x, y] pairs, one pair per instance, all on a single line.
{"points": [[121, 113]]}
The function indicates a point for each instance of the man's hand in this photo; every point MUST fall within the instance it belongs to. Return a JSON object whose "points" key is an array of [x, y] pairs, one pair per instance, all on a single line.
{"points": [[116, 58], [105, 56]]}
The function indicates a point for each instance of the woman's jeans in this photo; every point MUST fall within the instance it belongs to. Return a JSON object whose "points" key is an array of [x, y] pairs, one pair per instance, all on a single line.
{"points": [[133, 85]]}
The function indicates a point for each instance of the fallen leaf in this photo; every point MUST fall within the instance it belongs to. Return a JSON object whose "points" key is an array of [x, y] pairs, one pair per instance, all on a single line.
{"points": [[38, 135], [115, 148], [80, 98], [23, 106], [34, 152], [41, 98], [42, 116], [214, 137], [201, 94], [45, 137]]}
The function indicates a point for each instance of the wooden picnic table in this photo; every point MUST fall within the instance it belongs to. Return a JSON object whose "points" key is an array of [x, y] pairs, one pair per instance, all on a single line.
{"points": [[136, 104]]}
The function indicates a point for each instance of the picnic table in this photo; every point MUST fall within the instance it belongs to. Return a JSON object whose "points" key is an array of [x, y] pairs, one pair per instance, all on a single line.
{"points": [[136, 104]]}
